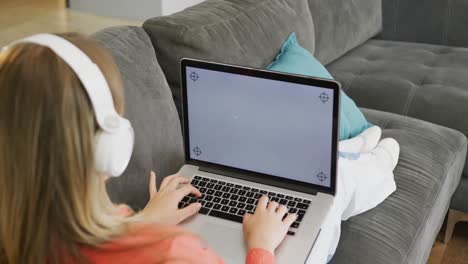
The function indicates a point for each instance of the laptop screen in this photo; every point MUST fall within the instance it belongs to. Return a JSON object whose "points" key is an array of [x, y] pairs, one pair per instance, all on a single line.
{"points": [[274, 127]]}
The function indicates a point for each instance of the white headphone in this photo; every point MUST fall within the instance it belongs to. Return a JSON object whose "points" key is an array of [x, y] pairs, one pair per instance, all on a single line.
{"points": [[115, 140]]}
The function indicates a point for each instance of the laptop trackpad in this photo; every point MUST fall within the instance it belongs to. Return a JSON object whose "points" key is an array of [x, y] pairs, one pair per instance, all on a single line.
{"points": [[226, 241]]}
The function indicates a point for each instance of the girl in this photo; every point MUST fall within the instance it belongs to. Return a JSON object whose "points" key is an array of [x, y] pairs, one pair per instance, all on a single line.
{"points": [[53, 203]]}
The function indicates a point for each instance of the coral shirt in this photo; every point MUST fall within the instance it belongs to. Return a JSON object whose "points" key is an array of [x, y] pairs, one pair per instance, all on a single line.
{"points": [[153, 243]]}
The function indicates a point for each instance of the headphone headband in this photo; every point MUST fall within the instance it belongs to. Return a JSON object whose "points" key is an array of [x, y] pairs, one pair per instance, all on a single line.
{"points": [[115, 141], [89, 74]]}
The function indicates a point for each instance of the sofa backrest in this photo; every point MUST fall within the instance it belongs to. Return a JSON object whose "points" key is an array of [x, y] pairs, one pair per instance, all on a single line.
{"points": [[341, 25], [151, 110], [430, 21], [243, 32]]}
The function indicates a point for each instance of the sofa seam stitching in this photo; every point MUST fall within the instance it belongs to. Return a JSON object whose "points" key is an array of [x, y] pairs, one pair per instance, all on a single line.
{"points": [[350, 83], [410, 99], [384, 126], [397, 14], [125, 33], [432, 202], [446, 29]]}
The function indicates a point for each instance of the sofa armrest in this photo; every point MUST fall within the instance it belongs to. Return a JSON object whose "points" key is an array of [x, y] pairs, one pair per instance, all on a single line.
{"points": [[431, 21]]}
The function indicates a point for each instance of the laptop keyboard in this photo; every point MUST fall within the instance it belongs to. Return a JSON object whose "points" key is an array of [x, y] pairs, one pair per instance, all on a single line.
{"points": [[231, 201]]}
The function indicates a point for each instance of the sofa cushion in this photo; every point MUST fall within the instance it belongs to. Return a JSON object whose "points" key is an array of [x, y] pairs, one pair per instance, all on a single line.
{"points": [[403, 228], [295, 59], [150, 109], [243, 32], [428, 82], [343, 25]]}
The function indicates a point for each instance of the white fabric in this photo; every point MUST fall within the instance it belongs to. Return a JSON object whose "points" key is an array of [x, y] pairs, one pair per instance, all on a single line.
{"points": [[363, 182], [364, 142]]}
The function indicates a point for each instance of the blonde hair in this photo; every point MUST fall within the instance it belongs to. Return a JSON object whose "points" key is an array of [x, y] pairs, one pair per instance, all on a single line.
{"points": [[52, 202]]}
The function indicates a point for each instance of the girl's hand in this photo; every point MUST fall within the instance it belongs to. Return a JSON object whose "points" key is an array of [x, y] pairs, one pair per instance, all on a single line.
{"points": [[266, 228], [163, 204]]}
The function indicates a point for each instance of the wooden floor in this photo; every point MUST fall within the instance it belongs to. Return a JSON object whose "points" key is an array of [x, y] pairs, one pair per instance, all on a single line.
{"points": [[456, 251], [20, 18]]}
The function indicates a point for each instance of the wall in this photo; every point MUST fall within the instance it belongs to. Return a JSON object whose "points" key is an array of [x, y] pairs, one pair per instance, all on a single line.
{"points": [[172, 6], [134, 10]]}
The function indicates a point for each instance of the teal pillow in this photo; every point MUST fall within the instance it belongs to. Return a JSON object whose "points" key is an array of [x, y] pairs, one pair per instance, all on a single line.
{"points": [[295, 59]]}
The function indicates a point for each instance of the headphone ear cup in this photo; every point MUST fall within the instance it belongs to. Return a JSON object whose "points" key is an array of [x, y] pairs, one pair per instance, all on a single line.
{"points": [[101, 152], [114, 150]]}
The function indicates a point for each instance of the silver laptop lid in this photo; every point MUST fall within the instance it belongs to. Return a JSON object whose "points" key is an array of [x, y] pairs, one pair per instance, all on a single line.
{"points": [[262, 126]]}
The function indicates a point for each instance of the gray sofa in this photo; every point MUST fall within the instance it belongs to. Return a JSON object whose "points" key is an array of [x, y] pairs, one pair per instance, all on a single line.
{"points": [[405, 80]]}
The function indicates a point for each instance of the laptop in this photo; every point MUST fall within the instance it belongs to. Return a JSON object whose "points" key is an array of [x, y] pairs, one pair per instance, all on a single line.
{"points": [[250, 132]]}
